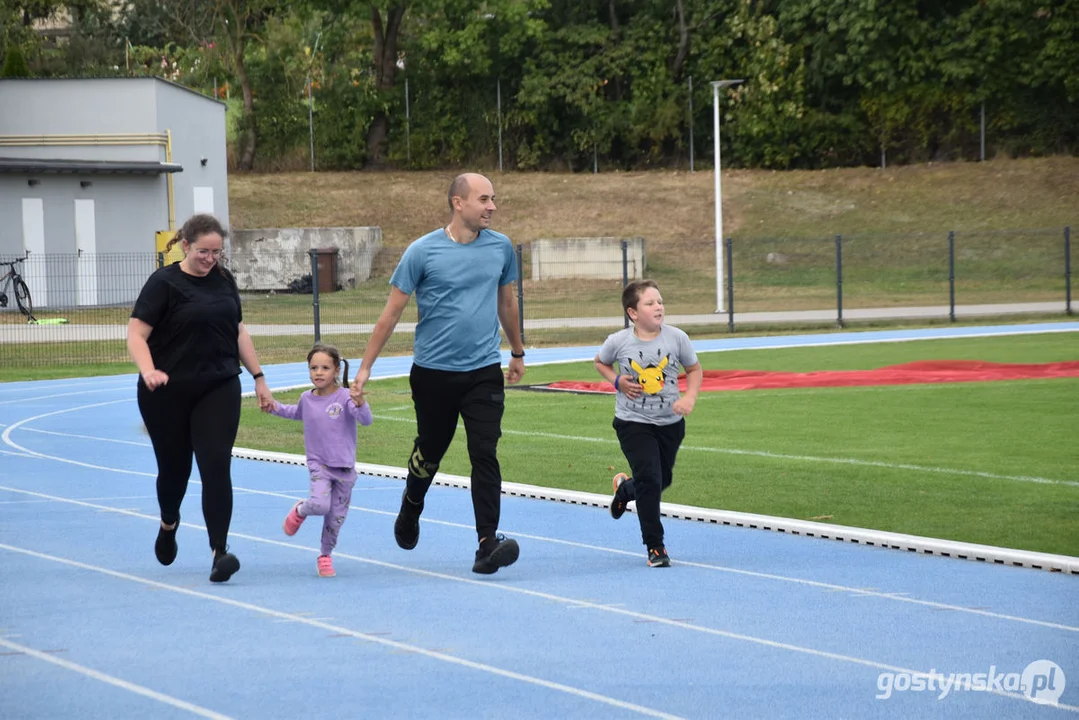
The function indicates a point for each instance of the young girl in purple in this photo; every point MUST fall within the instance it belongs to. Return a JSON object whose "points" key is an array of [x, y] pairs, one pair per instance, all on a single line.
{"points": [[329, 418]]}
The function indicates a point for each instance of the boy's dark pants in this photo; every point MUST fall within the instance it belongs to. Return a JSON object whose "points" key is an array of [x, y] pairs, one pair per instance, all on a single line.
{"points": [[478, 397], [651, 451]]}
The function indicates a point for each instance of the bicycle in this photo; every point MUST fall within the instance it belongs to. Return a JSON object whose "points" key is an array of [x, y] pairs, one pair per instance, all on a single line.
{"points": [[13, 280]]}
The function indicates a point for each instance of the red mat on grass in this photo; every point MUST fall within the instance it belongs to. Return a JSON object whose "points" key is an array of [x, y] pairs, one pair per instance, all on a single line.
{"points": [[928, 371]]}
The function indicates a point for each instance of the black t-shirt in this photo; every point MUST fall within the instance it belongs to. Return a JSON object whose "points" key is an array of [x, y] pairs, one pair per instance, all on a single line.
{"points": [[195, 321]]}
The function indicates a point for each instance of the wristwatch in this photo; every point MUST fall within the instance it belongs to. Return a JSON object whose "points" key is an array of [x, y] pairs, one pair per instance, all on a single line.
{"points": [[516, 355]]}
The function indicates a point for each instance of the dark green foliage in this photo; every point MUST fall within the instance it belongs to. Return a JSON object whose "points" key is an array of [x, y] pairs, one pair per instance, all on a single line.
{"points": [[15, 64], [828, 82]]}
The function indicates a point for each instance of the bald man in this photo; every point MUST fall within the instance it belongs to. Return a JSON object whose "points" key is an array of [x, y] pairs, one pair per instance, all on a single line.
{"points": [[462, 275]]}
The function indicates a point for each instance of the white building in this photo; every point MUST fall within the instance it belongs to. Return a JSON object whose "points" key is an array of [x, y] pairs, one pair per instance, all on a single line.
{"points": [[92, 169]]}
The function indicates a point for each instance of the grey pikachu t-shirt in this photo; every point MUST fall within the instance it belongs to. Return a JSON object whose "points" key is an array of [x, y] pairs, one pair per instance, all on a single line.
{"points": [[655, 365]]}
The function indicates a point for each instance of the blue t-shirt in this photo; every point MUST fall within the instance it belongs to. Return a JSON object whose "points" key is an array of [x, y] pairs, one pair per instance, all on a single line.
{"points": [[456, 288]]}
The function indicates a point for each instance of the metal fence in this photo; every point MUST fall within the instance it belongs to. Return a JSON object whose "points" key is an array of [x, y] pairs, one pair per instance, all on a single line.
{"points": [[570, 291]]}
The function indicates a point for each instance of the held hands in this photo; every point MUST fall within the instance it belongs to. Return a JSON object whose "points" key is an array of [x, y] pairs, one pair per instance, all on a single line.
{"points": [[154, 379], [515, 371], [356, 390], [266, 399]]}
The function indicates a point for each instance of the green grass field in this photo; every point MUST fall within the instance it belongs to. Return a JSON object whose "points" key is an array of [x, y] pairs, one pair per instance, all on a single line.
{"points": [[990, 463]]}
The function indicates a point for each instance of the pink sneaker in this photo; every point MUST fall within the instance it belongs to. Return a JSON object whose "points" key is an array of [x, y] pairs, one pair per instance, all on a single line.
{"points": [[293, 520], [325, 566]]}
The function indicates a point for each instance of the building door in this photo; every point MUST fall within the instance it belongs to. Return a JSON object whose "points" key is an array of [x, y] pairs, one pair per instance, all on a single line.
{"points": [[33, 243], [86, 247]]}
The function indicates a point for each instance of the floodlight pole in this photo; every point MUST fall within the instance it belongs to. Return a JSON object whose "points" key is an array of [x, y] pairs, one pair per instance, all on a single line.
{"points": [[716, 85]]}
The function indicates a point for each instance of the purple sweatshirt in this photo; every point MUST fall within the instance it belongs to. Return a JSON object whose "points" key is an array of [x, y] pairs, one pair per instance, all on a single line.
{"points": [[329, 425]]}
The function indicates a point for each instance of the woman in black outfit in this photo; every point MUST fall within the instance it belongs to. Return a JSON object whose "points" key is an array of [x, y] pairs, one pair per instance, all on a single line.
{"points": [[187, 337]]}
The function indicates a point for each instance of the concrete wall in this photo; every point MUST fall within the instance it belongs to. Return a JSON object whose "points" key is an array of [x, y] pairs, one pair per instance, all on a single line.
{"points": [[586, 258], [270, 259]]}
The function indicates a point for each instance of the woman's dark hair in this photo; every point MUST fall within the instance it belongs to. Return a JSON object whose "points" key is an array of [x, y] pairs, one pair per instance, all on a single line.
{"points": [[195, 227]]}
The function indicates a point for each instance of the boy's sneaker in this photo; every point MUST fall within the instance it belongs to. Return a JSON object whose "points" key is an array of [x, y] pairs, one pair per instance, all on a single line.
{"points": [[494, 553], [293, 520], [657, 557], [406, 529], [165, 545], [618, 502], [225, 566], [325, 566]]}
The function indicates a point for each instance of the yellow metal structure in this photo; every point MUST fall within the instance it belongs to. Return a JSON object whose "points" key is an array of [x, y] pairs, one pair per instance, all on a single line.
{"points": [[176, 254]]}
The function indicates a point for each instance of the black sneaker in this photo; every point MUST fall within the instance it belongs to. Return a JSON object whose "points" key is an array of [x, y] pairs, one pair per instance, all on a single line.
{"points": [[225, 566], [406, 529], [165, 545], [618, 502], [657, 557], [494, 554]]}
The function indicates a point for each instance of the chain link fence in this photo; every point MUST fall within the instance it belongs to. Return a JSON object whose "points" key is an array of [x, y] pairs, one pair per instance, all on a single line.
{"points": [[569, 290]]}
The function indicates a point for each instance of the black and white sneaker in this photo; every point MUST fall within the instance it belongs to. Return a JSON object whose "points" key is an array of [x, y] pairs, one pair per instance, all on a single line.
{"points": [[657, 557], [494, 553]]}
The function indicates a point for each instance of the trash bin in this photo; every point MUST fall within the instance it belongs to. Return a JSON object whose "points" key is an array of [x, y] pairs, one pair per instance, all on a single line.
{"points": [[327, 269]]}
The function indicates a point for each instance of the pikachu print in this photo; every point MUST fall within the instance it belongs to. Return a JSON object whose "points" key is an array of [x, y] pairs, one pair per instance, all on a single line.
{"points": [[650, 378]]}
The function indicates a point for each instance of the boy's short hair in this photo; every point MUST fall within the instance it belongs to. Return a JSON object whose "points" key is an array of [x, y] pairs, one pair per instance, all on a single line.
{"points": [[631, 294]]}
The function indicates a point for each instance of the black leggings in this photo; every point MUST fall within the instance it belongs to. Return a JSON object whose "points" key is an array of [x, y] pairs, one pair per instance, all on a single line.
{"points": [[479, 398], [201, 419]]}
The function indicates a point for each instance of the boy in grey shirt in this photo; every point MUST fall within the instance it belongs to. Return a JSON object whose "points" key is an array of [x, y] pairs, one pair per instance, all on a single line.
{"points": [[643, 363]]}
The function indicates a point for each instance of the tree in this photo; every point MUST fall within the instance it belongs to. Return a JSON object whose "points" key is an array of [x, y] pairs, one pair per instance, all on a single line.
{"points": [[15, 64], [386, 19]]}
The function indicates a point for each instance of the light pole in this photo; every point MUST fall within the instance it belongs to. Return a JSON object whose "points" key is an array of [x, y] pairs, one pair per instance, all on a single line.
{"points": [[311, 102], [716, 85]]}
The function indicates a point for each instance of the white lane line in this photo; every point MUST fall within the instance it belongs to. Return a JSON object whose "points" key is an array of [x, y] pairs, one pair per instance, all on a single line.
{"points": [[15, 454], [800, 458], [6, 438], [829, 587], [36, 398], [434, 654], [92, 499], [321, 625], [87, 437], [114, 681]]}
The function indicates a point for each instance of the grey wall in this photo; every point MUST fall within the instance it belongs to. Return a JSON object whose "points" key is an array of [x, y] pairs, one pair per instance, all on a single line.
{"points": [[198, 131], [67, 107], [270, 259], [124, 206]]}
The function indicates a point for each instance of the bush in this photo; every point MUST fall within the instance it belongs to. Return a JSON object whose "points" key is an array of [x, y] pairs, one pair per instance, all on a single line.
{"points": [[15, 64]]}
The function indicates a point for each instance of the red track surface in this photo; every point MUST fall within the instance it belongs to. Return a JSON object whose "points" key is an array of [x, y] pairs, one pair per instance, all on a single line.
{"points": [[934, 371]]}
